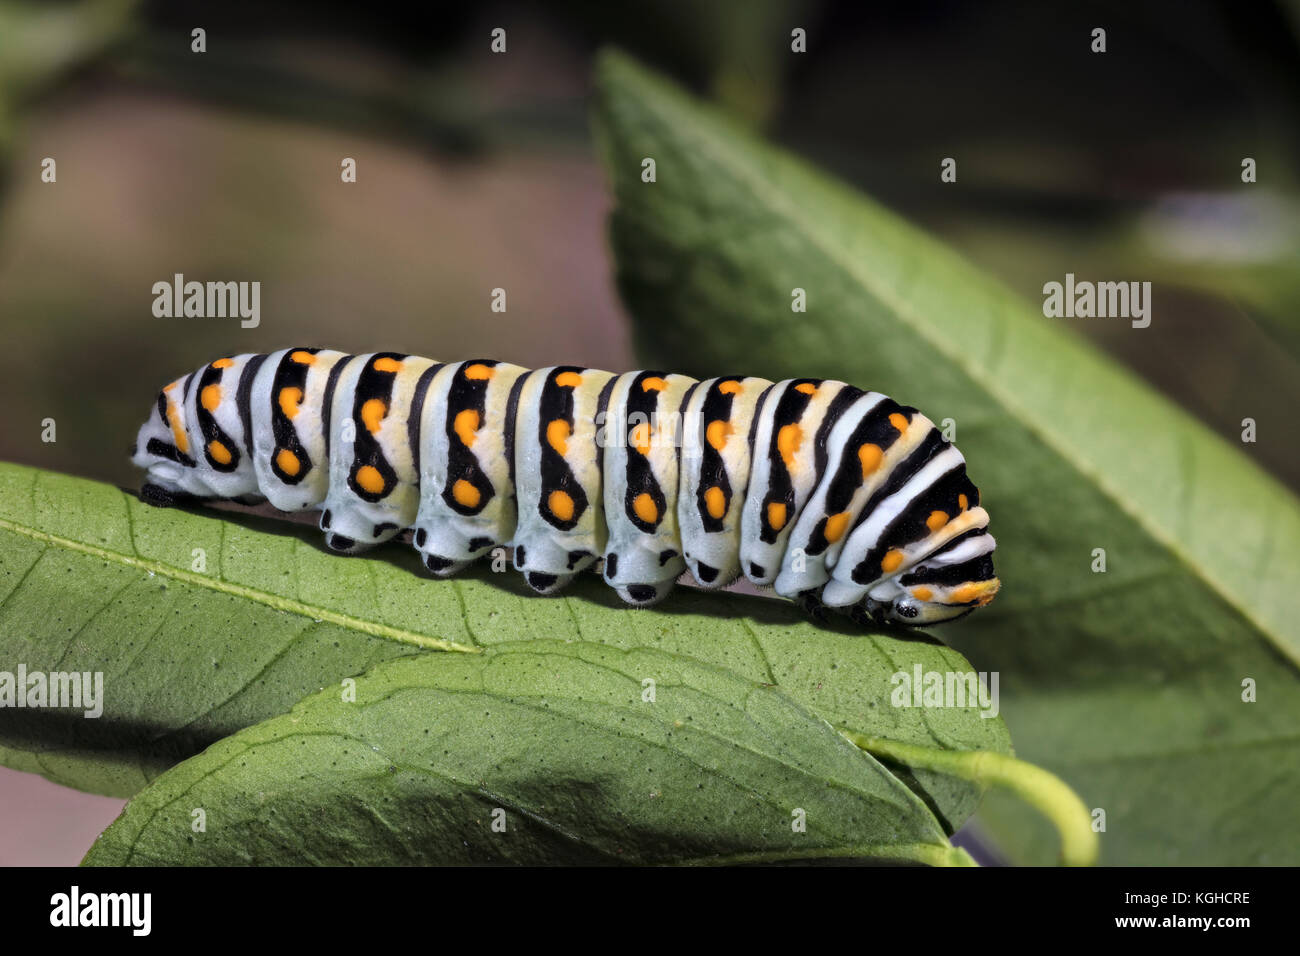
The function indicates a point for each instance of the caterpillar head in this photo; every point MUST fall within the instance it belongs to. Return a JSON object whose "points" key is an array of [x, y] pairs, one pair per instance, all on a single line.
{"points": [[935, 591], [922, 606]]}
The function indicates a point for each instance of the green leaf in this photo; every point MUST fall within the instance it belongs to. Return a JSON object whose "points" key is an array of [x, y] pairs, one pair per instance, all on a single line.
{"points": [[1129, 683], [93, 580], [41, 43], [558, 742]]}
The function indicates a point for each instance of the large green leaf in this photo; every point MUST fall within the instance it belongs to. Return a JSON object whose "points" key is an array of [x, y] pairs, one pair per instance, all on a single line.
{"points": [[562, 744], [93, 580], [1127, 683]]}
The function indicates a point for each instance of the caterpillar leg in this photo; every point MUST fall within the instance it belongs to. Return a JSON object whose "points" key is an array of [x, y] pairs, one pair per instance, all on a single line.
{"points": [[549, 572], [645, 595], [810, 602], [161, 497]]}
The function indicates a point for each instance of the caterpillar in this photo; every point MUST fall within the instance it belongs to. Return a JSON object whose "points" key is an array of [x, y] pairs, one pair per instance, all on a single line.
{"points": [[835, 496]]}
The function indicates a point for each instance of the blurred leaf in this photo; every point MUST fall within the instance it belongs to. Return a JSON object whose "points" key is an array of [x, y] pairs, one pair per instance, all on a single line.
{"points": [[554, 740], [93, 580], [1128, 684], [41, 41], [1270, 292]]}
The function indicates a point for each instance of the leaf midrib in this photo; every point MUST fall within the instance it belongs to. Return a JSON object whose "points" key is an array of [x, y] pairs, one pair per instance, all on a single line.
{"points": [[768, 194], [275, 601]]}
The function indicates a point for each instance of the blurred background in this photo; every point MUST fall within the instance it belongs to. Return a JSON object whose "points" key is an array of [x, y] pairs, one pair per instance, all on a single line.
{"points": [[476, 171]]}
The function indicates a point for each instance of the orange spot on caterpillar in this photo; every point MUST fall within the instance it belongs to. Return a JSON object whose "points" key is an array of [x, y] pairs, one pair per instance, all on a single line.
{"points": [[718, 432], [219, 452], [370, 480], [287, 462], [776, 515], [788, 440], [179, 436], [466, 425], [963, 502], [568, 380], [729, 387], [478, 372], [922, 594], [302, 358], [965, 593], [892, 561], [870, 456], [936, 520], [557, 435], [835, 526], [372, 414], [980, 592], [808, 388], [640, 438], [560, 504], [289, 399], [644, 507], [465, 494], [386, 364], [210, 397], [653, 384], [223, 363], [715, 502], [899, 421]]}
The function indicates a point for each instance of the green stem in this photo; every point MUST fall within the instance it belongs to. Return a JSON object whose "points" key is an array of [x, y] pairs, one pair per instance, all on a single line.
{"points": [[1040, 789]]}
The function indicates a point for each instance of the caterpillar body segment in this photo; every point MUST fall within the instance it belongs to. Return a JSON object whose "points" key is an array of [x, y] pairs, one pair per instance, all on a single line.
{"points": [[837, 497], [561, 527], [717, 441], [374, 489], [790, 449], [288, 452], [192, 457], [643, 551], [467, 491]]}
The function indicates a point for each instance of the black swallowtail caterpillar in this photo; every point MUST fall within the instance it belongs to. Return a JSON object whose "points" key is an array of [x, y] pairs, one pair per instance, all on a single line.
{"points": [[836, 496]]}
